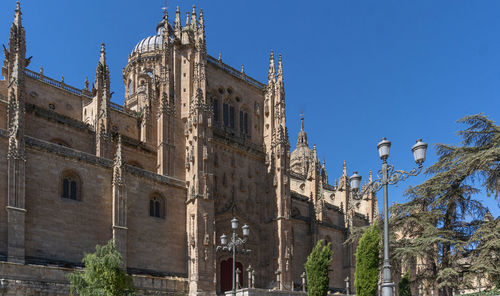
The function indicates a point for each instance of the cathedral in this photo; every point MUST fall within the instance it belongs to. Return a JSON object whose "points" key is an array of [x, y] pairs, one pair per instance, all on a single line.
{"points": [[195, 144]]}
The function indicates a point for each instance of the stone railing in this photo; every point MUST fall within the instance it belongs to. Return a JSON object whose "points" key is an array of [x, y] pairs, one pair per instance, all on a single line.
{"points": [[235, 136], [53, 82], [235, 72]]}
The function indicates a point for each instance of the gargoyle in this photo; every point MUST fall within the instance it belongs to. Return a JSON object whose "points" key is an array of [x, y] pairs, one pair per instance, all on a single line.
{"points": [[5, 52], [28, 61]]}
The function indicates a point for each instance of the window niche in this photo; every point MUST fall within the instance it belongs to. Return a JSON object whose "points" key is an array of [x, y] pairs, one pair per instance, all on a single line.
{"points": [[157, 206], [71, 186]]}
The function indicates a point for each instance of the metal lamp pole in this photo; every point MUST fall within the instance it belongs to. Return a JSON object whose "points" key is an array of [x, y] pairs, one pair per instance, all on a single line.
{"points": [[233, 245], [388, 176]]}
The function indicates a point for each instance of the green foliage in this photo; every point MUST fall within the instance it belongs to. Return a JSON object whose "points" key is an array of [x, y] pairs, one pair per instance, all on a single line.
{"points": [[404, 285], [437, 224], [368, 262], [317, 265], [103, 274], [486, 256]]}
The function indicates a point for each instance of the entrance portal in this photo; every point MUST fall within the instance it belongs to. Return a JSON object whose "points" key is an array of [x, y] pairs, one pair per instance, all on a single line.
{"points": [[226, 277]]}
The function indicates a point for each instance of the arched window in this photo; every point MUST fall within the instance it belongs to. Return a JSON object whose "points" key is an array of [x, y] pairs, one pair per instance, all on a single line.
{"points": [[71, 186], [244, 124], [130, 87], [215, 104], [157, 206]]}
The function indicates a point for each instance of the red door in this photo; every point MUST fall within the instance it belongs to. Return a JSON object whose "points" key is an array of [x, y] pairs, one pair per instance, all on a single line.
{"points": [[226, 277]]}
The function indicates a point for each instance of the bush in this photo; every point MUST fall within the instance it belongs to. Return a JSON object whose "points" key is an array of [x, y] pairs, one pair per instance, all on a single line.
{"points": [[404, 285], [103, 274]]}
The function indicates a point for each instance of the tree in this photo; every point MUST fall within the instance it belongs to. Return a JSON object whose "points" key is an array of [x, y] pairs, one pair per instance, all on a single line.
{"points": [[404, 285], [103, 274], [368, 262], [437, 224], [317, 265], [486, 256]]}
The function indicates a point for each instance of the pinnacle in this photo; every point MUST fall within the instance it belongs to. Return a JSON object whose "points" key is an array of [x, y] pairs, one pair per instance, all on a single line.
{"points": [[102, 58]]}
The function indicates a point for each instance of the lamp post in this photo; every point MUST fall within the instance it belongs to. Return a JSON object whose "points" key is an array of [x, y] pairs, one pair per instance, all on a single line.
{"points": [[233, 245], [388, 176]]}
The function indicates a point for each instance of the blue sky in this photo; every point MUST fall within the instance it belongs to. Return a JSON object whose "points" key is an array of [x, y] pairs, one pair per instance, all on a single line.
{"points": [[360, 70]]}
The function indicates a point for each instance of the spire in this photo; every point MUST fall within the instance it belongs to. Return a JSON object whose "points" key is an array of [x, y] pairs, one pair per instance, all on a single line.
{"points": [[344, 170], [17, 18], [302, 138], [324, 165], [201, 27], [280, 72], [177, 24], [17, 42], [187, 19], [370, 177], [194, 22], [271, 76], [102, 58]]}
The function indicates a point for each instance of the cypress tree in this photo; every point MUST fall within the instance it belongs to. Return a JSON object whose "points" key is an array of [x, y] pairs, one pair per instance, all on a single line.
{"points": [[317, 266], [368, 262]]}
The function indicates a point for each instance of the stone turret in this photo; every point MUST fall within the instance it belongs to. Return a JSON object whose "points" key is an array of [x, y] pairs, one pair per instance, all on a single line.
{"points": [[14, 65], [102, 99]]}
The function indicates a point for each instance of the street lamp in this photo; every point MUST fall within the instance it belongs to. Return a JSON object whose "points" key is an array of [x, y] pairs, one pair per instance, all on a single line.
{"points": [[233, 245], [388, 176]]}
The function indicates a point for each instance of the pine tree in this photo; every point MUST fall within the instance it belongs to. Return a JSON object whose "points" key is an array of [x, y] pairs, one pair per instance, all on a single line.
{"points": [[486, 256], [317, 266], [436, 225], [103, 274], [404, 285], [368, 262]]}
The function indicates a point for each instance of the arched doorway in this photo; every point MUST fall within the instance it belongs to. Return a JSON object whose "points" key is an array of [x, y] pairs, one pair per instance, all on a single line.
{"points": [[226, 276]]}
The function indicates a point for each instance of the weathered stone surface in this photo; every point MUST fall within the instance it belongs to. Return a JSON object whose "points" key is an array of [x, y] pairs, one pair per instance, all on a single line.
{"points": [[204, 140]]}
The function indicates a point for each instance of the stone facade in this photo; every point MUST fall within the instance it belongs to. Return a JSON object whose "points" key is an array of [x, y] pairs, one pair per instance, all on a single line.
{"points": [[195, 144]]}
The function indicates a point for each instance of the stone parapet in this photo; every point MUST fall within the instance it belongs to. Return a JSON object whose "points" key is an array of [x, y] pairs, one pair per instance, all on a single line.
{"points": [[20, 279], [265, 292]]}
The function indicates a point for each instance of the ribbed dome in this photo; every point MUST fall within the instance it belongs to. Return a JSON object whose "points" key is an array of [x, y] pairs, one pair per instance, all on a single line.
{"points": [[303, 156], [155, 42]]}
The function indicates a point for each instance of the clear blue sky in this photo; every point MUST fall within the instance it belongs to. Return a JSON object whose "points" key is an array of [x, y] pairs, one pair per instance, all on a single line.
{"points": [[360, 69]]}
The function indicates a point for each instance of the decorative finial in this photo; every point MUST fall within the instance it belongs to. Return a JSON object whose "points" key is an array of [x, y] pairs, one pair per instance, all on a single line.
{"points": [[177, 24], [102, 58], [302, 120], [17, 18], [271, 74], [165, 11], [344, 169], [62, 78], [193, 17], [187, 18], [242, 69], [86, 83], [220, 56], [370, 176], [41, 70]]}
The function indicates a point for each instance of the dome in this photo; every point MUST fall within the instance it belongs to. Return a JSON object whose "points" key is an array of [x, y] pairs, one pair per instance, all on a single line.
{"points": [[303, 156], [149, 44], [155, 42]]}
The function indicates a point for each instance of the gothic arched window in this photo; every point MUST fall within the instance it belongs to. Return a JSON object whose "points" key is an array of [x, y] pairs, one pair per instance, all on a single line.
{"points": [[215, 104], [71, 186], [130, 87], [244, 123], [157, 206]]}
